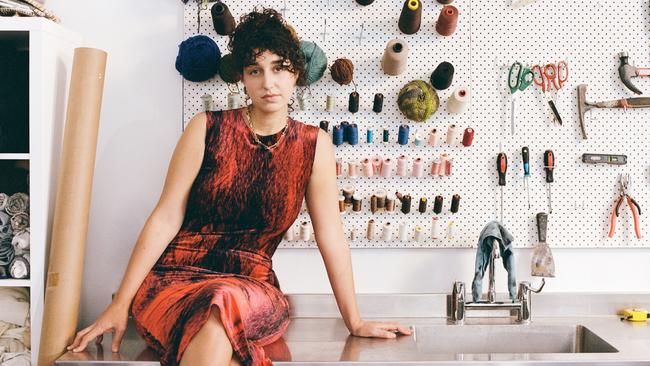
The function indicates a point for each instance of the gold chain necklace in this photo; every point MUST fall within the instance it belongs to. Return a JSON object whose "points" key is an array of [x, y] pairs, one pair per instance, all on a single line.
{"points": [[249, 123]]}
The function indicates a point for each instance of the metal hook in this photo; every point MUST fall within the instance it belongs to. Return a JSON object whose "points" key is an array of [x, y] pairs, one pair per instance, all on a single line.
{"points": [[361, 33], [324, 34]]}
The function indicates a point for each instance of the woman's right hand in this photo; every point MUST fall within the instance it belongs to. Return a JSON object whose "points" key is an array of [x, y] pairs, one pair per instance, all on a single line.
{"points": [[114, 319]]}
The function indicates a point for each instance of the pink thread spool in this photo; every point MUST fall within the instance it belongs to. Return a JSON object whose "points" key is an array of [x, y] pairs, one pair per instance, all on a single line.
{"points": [[367, 167], [402, 166], [418, 168], [386, 168]]}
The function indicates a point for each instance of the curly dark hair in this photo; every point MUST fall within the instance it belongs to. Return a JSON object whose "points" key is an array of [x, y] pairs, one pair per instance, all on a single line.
{"points": [[261, 30]]}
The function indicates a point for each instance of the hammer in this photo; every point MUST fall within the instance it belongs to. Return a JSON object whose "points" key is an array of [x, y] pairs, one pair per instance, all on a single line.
{"points": [[584, 106], [627, 72]]}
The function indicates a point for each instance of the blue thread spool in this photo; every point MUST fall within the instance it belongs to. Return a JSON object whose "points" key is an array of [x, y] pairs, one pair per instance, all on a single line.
{"points": [[337, 135], [385, 135], [346, 131], [403, 136], [369, 136], [353, 137]]}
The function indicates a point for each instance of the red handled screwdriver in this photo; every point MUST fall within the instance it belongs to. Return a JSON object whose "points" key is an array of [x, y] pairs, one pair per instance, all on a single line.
{"points": [[502, 168], [549, 165]]}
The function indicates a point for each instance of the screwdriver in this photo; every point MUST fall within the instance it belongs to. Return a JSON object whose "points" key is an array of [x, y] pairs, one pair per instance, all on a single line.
{"points": [[502, 167], [549, 165], [525, 155]]}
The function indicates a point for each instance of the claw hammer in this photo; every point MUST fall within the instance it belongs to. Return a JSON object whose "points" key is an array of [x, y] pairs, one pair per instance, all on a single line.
{"points": [[627, 72]]}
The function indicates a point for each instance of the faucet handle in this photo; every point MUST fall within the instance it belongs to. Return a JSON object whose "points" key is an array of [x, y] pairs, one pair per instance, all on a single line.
{"points": [[458, 291]]}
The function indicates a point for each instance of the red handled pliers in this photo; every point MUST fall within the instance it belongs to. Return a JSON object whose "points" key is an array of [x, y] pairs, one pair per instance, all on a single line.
{"points": [[624, 181]]}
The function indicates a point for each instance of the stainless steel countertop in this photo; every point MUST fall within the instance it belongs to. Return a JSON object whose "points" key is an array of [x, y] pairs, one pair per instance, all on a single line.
{"points": [[325, 340]]}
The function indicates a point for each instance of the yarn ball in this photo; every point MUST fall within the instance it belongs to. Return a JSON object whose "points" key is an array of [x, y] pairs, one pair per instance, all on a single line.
{"points": [[342, 71], [198, 58], [227, 69], [442, 76], [365, 2], [315, 62], [417, 100]]}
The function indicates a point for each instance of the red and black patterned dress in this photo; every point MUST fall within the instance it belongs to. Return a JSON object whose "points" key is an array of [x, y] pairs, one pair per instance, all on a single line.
{"points": [[242, 201]]}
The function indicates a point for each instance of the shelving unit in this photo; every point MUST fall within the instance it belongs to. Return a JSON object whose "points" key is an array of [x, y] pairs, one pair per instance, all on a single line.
{"points": [[49, 64]]}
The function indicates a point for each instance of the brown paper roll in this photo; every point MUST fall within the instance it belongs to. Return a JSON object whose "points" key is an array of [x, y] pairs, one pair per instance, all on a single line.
{"points": [[70, 226]]}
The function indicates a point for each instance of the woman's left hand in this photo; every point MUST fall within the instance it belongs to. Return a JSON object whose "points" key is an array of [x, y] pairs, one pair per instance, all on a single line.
{"points": [[379, 329]]}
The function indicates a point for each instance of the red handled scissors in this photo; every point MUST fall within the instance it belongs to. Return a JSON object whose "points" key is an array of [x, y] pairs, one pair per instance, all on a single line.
{"points": [[549, 77]]}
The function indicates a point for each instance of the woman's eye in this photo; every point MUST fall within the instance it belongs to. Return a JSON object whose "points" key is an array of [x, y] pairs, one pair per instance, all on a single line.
{"points": [[253, 72]]}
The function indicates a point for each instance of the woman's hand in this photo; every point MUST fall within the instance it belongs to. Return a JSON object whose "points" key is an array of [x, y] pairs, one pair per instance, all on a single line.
{"points": [[114, 319], [379, 329]]}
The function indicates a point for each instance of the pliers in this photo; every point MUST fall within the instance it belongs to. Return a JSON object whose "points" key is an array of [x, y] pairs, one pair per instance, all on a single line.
{"points": [[624, 181]]}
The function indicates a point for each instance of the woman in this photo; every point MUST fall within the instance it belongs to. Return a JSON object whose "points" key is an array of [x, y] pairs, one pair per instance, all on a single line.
{"points": [[200, 285]]}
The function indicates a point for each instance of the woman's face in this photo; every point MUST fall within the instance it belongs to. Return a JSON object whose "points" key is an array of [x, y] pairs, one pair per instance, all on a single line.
{"points": [[269, 83]]}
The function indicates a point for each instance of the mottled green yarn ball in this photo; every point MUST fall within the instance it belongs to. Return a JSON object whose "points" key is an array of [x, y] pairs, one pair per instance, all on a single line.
{"points": [[418, 100]]}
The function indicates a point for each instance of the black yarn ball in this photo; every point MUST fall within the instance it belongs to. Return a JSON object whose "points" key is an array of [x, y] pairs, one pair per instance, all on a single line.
{"points": [[198, 58], [442, 76]]}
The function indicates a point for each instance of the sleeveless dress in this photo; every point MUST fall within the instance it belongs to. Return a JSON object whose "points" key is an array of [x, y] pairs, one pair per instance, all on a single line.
{"points": [[244, 198]]}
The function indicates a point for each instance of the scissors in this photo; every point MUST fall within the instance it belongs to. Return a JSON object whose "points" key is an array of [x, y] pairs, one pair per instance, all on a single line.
{"points": [[549, 77], [519, 78]]}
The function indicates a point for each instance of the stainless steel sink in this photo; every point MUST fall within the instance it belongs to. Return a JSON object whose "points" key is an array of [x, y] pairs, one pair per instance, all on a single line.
{"points": [[490, 339]]}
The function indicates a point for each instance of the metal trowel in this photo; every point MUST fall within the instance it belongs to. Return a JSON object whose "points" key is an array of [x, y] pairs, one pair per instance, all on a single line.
{"points": [[542, 263]]}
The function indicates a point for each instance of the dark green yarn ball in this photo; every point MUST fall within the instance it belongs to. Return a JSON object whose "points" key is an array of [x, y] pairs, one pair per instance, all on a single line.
{"points": [[227, 69]]}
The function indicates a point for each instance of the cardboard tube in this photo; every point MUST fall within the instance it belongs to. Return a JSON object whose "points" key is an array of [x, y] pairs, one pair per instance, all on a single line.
{"points": [[74, 187]]}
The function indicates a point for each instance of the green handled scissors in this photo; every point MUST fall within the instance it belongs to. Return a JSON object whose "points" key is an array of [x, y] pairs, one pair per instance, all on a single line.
{"points": [[519, 78]]}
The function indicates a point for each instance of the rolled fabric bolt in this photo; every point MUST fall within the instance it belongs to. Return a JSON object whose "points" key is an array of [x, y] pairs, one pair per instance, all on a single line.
{"points": [[369, 136], [386, 168], [385, 137], [455, 202], [435, 167], [339, 167], [418, 168], [341, 203], [449, 163], [378, 103], [352, 169], [289, 234], [356, 202], [435, 227], [433, 137], [376, 165], [458, 101], [390, 202], [373, 203], [451, 134], [451, 230], [419, 236], [348, 191], [353, 102], [21, 240], [418, 139], [381, 198], [402, 166], [353, 233], [403, 135], [353, 137], [443, 164], [403, 231], [422, 207], [442, 76], [468, 137], [370, 234], [394, 60], [305, 231], [330, 103], [367, 167], [338, 135], [387, 232], [325, 126], [447, 21], [406, 204], [19, 268], [437, 205]]}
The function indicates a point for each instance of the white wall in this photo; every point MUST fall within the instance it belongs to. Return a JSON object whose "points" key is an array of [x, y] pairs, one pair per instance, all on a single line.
{"points": [[141, 122]]}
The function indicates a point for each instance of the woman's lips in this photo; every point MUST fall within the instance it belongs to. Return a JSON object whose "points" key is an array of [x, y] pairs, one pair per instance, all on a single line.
{"points": [[271, 97]]}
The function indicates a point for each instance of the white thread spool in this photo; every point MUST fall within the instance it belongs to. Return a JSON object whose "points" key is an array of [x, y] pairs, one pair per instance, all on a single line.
{"points": [[235, 100], [451, 230], [452, 131], [305, 231], [403, 231], [288, 235], [208, 102], [435, 228], [419, 236], [458, 101], [387, 232], [331, 103]]}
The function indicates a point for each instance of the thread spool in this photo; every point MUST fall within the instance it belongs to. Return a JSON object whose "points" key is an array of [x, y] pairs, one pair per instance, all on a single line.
{"points": [[341, 203], [406, 204], [345, 125], [403, 231], [289, 234], [348, 191], [455, 202], [410, 17], [418, 168], [356, 202], [378, 103], [451, 230], [435, 167], [422, 207], [395, 57], [449, 164], [339, 167], [458, 101], [417, 141], [381, 198], [305, 231], [402, 166], [403, 135], [442, 76], [369, 136], [373, 203], [386, 168], [376, 165], [353, 102], [353, 233], [352, 169], [451, 134], [366, 168], [235, 100], [387, 232], [419, 235], [468, 137], [353, 135], [435, 228], [208, 102], [330, 103], [325, 126], [390, 202], [443, 164], [447, 21], [370, 233], [385, 135], [338, 135], [437, 205], [222, 21], [303, 101], [433, 137]]}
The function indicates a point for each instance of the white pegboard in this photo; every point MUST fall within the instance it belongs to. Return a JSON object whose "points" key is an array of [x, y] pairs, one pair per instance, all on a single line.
{"points": [[490, 36]]}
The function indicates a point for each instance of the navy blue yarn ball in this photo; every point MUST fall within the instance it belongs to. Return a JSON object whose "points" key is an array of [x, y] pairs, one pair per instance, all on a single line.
{"points": [[198, 58]]}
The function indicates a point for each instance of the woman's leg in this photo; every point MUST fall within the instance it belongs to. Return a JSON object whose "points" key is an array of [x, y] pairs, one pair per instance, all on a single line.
{"points": [[210, 346]]}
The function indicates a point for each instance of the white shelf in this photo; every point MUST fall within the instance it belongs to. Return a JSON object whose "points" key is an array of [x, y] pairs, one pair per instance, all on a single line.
{"points": [[14, 156], [15, 283]]}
